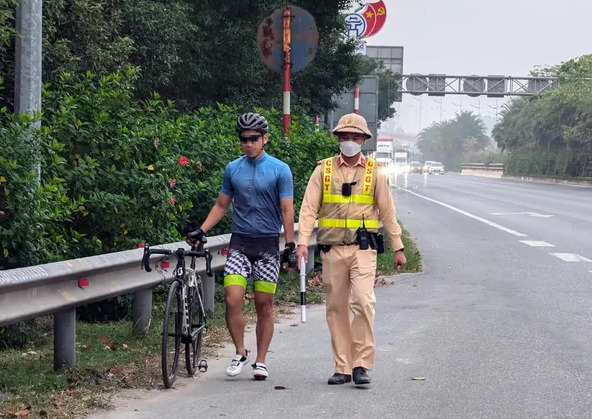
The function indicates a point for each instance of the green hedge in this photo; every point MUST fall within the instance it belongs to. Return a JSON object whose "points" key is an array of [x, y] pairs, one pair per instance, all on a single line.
{"points": [[116, 172], [533, 161]]}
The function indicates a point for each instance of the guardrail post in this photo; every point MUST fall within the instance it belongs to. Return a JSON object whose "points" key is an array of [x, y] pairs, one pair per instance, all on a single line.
{"points": [[209, 285], [142, 311], [64, 340]]}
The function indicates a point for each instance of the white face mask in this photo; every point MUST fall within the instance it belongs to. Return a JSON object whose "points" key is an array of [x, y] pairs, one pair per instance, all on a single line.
{"points": [[350, 148]]}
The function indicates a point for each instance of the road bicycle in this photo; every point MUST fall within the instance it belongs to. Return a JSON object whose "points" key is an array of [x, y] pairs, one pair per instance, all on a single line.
{"points": [[184, 317]]}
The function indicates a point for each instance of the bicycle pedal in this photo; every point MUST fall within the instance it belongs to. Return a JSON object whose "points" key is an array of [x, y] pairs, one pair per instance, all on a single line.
{"points": [[202, 366]]}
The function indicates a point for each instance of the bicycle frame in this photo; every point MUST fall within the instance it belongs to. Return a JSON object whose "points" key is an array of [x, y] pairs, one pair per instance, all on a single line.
{"points": [[186, 288]]}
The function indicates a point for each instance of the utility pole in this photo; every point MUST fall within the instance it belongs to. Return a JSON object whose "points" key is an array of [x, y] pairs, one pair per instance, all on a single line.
{"points": [[27, 77]]}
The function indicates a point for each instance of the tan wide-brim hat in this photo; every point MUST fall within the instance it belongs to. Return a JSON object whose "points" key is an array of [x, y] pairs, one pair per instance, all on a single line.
{"points": [[354, 123]]}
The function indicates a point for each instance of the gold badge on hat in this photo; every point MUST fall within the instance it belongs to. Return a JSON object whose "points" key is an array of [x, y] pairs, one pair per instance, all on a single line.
{"points": [[350, 121]]}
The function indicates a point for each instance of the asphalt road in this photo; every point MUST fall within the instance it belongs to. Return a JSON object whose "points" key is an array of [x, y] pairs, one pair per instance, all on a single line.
{"points": [[499, 324]]}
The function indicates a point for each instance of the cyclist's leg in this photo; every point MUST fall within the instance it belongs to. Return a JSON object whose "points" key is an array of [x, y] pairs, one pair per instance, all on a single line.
{"points": [[236, 270], [265, 273]]}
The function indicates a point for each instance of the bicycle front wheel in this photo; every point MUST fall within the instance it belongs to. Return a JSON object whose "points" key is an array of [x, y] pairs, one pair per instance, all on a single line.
{"points": [[171, 335], [197, 324]]}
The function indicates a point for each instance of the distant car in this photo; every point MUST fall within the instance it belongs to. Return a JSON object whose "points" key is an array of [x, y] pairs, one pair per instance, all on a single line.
{"points": [[436, 168], [415, 167], [426, 165]]}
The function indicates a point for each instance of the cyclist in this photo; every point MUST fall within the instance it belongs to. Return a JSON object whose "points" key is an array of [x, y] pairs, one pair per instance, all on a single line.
{"points": [[261, 190]]}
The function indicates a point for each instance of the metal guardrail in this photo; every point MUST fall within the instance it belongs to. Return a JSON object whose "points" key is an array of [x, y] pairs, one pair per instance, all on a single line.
{"points": [[58, 288], [487, 170]]}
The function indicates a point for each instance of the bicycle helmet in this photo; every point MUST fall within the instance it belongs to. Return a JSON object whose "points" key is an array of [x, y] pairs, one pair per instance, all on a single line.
{"points": [[252, 121]]}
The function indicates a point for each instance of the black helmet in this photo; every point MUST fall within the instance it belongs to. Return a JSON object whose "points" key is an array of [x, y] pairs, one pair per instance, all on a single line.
{"points": [[251, 121]]}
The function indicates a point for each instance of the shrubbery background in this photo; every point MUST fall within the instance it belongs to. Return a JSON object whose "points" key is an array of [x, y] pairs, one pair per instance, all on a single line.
{"points": [[117, 172]]}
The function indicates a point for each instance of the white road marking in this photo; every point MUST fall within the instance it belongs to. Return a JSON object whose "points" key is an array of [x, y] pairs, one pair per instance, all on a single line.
{"points": [[529, 213], [536, 243], [468, 214], [570, 257]]}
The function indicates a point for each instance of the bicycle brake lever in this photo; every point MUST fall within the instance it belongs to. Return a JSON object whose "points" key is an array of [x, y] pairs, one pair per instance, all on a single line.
{"points": [[146, 259], [208, 263]]}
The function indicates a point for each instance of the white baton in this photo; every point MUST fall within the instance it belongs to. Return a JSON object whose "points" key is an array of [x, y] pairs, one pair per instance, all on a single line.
{"points": [[302, 290]]}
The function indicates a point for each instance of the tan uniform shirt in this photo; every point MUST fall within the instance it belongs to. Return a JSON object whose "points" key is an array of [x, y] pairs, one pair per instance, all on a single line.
{"points": [[313, 198]]}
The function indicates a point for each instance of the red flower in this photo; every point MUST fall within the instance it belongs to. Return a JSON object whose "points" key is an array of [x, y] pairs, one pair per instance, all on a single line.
{"points": [[173, 183], [141, 245], [172, 200], [199, 166], [2, 213], [183, 161]]}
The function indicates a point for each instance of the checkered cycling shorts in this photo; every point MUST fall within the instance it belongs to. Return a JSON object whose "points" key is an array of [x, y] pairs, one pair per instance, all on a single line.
{"points": [[265, 267]]}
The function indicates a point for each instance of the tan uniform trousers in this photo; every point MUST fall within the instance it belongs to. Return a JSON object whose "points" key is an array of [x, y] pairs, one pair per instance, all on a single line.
{"points": [[348, 277]]}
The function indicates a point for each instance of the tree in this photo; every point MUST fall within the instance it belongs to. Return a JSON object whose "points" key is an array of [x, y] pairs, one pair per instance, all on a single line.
{"points": [[548, 134], [198, 53], [454, 140]]}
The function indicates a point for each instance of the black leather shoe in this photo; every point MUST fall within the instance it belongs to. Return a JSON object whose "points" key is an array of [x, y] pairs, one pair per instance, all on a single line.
{"points": [[361, 376], [338, 378]]}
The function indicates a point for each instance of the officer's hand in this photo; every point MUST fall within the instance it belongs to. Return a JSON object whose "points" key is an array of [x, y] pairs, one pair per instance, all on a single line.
{"points": [[301, 252], [195, 237], [400, 259]]}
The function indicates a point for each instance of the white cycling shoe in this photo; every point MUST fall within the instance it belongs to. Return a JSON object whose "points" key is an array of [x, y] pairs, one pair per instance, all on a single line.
{"points": [[236, 364]]}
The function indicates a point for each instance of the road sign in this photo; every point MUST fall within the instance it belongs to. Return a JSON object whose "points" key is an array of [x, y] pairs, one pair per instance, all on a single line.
{"points": [[436, 84], [417, 84], [367, 22], [496, 86], [474, 86], [304, 39], [391, 57]]}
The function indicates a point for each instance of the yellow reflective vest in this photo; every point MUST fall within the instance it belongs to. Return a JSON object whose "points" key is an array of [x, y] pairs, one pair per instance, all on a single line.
{"points": [[340, 216]]}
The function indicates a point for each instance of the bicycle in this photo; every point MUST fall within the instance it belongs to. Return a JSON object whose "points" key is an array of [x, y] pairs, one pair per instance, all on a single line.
{"points": [[185, 317]]}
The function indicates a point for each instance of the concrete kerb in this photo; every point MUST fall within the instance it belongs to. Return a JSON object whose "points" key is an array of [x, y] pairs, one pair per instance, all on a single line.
{"points": [[577, 183]]}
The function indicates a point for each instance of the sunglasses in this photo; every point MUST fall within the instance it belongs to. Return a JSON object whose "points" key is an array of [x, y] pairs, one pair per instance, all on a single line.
{"points": [[250, 138]]}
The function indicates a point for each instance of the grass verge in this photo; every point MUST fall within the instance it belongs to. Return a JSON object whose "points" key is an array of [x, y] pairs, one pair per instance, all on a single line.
{"points": [[109, 358]]}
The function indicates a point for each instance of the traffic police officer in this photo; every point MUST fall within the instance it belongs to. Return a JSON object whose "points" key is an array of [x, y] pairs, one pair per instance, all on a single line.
{"points": [[350, 195]]}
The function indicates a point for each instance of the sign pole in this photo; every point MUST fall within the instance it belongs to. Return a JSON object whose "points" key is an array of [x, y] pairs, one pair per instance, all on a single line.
{"points": [[27, 77], [357, 99], [287, 68]]}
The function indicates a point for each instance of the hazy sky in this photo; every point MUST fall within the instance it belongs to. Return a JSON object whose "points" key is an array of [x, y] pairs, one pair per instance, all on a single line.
{"points": [[462, 37]]}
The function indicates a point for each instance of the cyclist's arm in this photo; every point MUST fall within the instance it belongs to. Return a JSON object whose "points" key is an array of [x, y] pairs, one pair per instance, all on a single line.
{"points": [[287, 209], [217, 212]]}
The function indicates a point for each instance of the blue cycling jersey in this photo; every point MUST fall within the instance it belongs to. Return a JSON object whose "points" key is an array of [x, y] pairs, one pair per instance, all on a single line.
{"points": [[257, 185]]}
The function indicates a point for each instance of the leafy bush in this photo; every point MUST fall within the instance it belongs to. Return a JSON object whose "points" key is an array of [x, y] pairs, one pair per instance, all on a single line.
{"points": [[116, 172]]}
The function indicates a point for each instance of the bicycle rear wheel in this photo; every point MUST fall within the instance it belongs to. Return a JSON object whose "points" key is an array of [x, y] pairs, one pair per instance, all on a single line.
{"points": [[171, 335], [197, 324]]}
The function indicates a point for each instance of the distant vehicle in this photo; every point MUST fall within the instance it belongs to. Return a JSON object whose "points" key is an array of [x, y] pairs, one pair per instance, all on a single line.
{"points": [[401, 161], [415, 167], [436, 168], [384, 154], [426, 165]]}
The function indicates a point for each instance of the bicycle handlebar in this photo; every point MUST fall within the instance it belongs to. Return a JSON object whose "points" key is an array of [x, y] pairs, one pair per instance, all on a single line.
{"points": [[179, 253]]}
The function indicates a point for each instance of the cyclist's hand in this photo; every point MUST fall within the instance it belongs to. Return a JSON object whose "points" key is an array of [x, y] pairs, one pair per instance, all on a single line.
{"points": [[287, 260], [195, 237]]}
